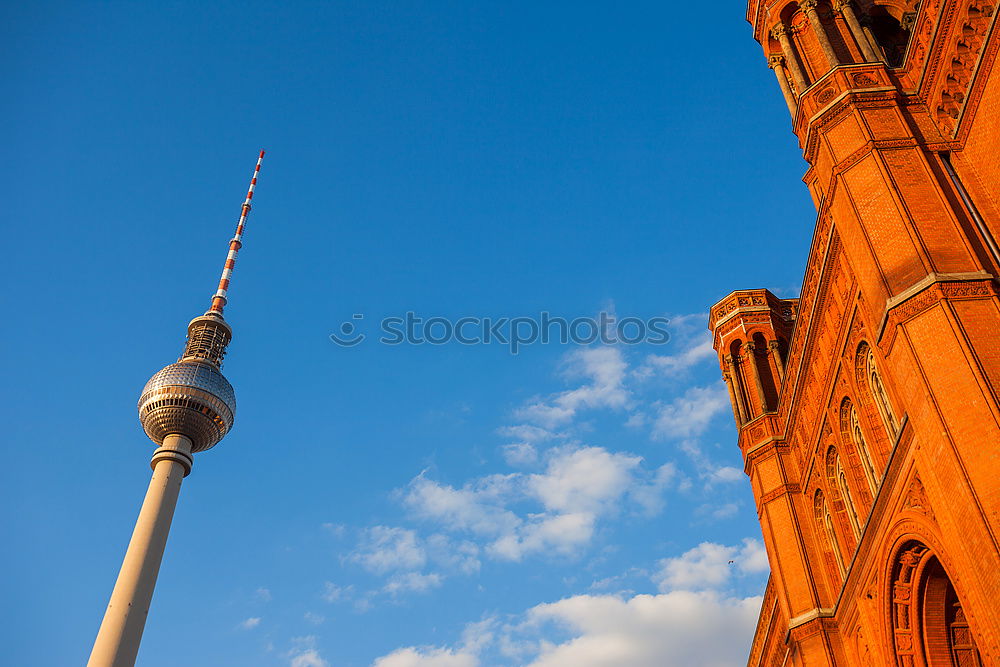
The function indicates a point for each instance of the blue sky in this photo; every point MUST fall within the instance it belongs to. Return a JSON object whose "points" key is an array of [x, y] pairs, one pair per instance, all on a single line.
{"points": [[396, 506]]}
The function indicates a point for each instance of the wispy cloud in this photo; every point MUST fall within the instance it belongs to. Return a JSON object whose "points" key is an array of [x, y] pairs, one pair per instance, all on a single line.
{"points": [[305, 654], [250, 623], [690, 414], [693, 342], [604, 370], [334, 593], [578, 486], [384, 549]]}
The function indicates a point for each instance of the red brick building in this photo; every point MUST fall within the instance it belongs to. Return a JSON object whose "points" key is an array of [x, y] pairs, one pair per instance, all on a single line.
{"points": [[868, 409]]}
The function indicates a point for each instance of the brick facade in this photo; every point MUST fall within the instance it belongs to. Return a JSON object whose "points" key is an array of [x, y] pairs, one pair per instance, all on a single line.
{"points": [[868, 409]]}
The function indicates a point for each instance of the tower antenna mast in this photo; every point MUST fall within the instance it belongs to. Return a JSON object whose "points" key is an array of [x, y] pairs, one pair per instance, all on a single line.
{"points": [[220, 298], [186, 407]]}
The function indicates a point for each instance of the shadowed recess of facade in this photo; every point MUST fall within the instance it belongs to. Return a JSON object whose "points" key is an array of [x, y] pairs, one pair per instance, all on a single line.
{"points": [[867, 408]]}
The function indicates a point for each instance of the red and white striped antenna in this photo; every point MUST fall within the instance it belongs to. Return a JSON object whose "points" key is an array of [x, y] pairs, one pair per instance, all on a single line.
{"points": [[219, 299]]}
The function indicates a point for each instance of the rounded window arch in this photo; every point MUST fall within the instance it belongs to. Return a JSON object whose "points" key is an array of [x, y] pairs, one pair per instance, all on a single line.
{"points": [[872, 382], [890, 27], [739, 379], [824, 523], [929, 621], [840, 490], [850, 426], [769, 383]]}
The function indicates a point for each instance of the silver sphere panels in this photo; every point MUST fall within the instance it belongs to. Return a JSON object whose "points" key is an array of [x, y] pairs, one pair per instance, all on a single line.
{"points": [[189, 398]]}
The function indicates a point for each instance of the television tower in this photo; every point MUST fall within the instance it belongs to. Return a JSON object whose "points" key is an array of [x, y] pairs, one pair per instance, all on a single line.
{"points": [[185, 408]]}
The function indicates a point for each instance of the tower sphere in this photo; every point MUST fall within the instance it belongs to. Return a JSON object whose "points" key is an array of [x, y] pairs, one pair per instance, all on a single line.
{"points": [[191, 398]]}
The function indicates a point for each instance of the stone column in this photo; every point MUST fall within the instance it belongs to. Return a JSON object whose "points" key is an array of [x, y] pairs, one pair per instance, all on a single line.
{"points": [[847, 10], [809, 7], [732, 399], [117, 641], [750, 356], [777, 63], [866, 29], [735, 375], [774, 348], [780, 33]]}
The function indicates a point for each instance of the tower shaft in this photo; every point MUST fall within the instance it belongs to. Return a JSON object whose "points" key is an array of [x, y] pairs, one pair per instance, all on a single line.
{"points": [[121, 630]]}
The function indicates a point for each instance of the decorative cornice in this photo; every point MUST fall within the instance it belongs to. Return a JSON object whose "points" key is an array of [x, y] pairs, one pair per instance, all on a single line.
{"points": [[928, 291]]}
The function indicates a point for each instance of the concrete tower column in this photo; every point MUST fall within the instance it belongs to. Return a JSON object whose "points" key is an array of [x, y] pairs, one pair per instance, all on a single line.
{"points": [[185, 408], [777, 63], [121, 630], [780, 33], [809, 7], [847, 10]]}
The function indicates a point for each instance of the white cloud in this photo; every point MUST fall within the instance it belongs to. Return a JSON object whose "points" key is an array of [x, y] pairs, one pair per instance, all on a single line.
{"points": [[519, 454], [308, 658], [675, 629], [689, 415], [250, 623], [724, 511], [753, 556], [475, 638], [649, 495], [725, 474], [604, 367], [304, 653], [584, 480], [426, 657], [477, 507], [710, 565], [334, 593], [527, 433], [313, 618], [461, 556], [562, 533], [384, 549], [263, 594], [674, 365], [579, 486], [411, 582]]}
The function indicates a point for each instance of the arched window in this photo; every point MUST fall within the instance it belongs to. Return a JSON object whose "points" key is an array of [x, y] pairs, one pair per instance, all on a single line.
{"points": [[768, 381], [850, 425], [838, 480], [929, 622], [879, 394], [824, 521], [739, 379], [890, 33]]}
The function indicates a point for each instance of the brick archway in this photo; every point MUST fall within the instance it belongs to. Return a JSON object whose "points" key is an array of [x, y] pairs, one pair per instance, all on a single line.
{"points": [[929, 625]]}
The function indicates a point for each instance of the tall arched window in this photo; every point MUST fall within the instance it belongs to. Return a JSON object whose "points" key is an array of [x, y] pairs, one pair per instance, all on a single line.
{"points": [[824, 521], [850, 425], [879, 394], [838, 481]]}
